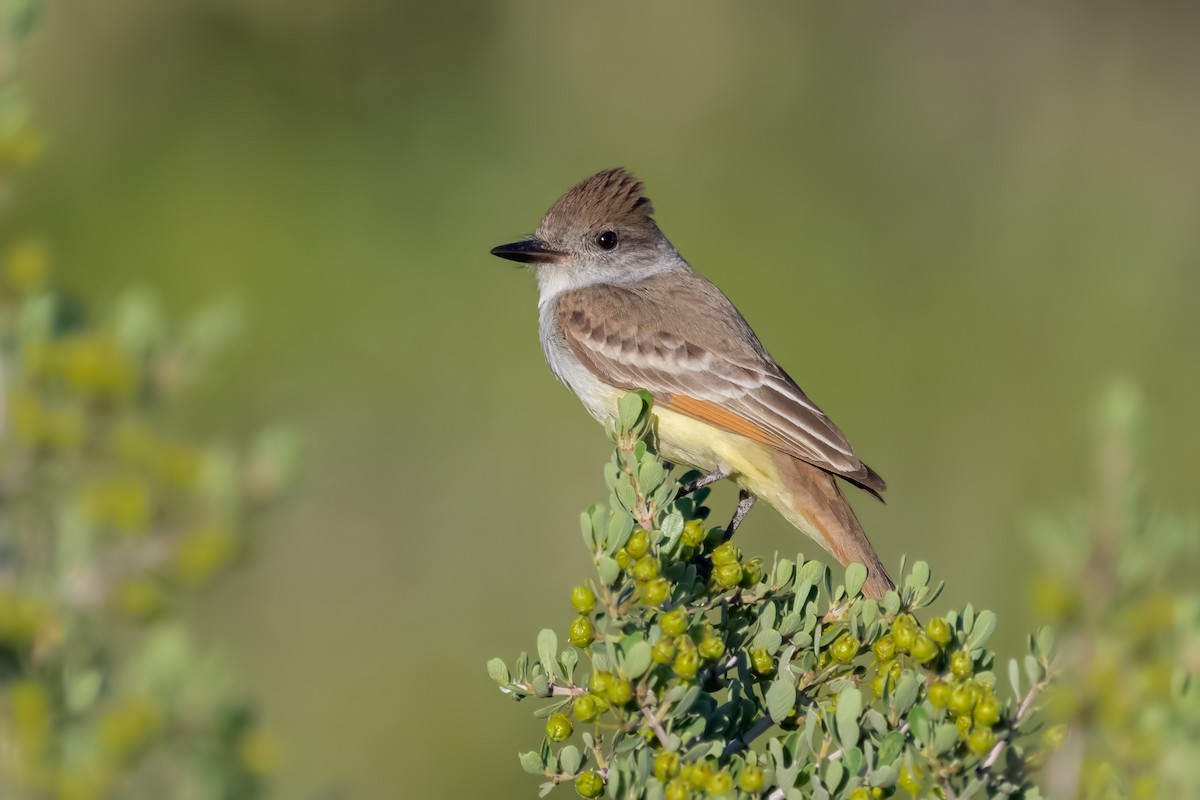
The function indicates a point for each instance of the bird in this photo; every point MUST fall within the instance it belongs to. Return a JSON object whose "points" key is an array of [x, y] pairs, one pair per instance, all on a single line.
{"points": [[620, 310]]}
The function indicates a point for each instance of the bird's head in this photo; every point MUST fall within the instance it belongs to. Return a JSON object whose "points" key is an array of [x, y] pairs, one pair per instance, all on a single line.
{"points": [[601, 231]]}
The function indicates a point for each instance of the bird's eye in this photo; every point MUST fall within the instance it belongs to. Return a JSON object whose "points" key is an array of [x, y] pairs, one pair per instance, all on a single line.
{"points": [[607, 240]]}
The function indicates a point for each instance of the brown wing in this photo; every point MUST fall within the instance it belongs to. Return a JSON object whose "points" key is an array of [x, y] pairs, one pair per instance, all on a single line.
{"points": [[700, 358]]}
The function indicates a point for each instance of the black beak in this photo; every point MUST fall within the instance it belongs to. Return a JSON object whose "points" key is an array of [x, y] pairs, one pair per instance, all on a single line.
{"points": [[530, 251]]}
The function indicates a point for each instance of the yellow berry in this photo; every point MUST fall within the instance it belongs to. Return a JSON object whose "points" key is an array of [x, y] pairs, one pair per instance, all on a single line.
{"points": [[589, 784], [726, 553], [924, 649], [939, 695], [583, 599], [719, 784], [987, 712], [686, 664], [663, 651], [638, 544], [585, 708], [675, 621], [981, 740], [694, 533], [962, 700], [845, 648], [697, 774], [761, 661], [624, 560], [728, 575], [677, 789], [666, 766], [939, 630], [558, 728], [751, 780], [645, 568], [884, 648], [711, 648], [904, 632], [581, 633], [961, 665], [620, 691], [655, 592]]}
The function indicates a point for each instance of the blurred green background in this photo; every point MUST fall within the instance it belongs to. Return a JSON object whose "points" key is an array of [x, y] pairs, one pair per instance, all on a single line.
{"points": [[952, 224]]}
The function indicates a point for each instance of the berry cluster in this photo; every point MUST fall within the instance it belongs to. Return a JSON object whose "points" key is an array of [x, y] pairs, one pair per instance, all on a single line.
{"points": [[697, 653]]}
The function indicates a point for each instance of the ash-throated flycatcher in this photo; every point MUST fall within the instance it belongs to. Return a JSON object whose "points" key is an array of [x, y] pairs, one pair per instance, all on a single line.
{"points": [[620, 310]]}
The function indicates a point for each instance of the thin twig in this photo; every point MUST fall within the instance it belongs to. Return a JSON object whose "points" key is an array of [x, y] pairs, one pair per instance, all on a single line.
{"points": [[1022, 711], [655, 724]]}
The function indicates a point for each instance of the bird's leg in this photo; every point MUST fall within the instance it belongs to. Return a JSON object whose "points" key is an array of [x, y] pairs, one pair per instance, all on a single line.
{"points": [[745, 502], [702, 481]]}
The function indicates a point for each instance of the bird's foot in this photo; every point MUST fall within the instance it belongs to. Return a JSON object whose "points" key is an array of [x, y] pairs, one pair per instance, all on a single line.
{"points": [[702, 481], [745, 503]]}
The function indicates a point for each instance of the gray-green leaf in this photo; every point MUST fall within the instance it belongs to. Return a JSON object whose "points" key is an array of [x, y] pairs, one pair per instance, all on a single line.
{"points": [[637, 660], [570, 759], [856, 576], [498, 671], [547, 645], [780, 699]]}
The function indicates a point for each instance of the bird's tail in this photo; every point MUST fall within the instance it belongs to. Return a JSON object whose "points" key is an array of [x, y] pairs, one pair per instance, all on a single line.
{"points": [[810, 499]]}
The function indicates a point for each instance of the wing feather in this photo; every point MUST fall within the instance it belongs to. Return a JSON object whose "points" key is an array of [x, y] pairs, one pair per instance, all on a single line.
{"points": [[699, 357]]}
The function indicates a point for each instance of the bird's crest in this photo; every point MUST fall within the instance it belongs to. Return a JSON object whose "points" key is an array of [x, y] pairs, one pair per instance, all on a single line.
{"points": [[612, 197]]}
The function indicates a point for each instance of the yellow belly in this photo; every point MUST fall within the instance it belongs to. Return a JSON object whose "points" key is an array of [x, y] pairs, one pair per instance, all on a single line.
{"points": [[706, 447]]}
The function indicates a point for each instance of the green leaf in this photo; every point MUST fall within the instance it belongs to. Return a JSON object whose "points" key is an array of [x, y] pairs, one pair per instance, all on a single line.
{"points": [[985, 623], [945, 736], [891, 746], [522, 667], [585, 526], [619, 529], [906, 692], [626, 495], [569, 658], [547, 645], [1045, 641], [781, 696], [812, 571], [834, 772], [650, 475], [1014, 676], [609, 570], [570, 759], [856, 576], [629, 408], [883, 777], [849, 707], [1033, 670], [853, 760], [922, 731], [498, 671], [770, 640], [637, 660], [919, 577], [784, 572], [791, 623], [531, 762]]}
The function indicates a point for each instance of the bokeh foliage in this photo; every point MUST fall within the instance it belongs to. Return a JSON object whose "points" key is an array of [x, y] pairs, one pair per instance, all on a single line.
{"points": [[108, 520], [693, 654], [1116, 576]]}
